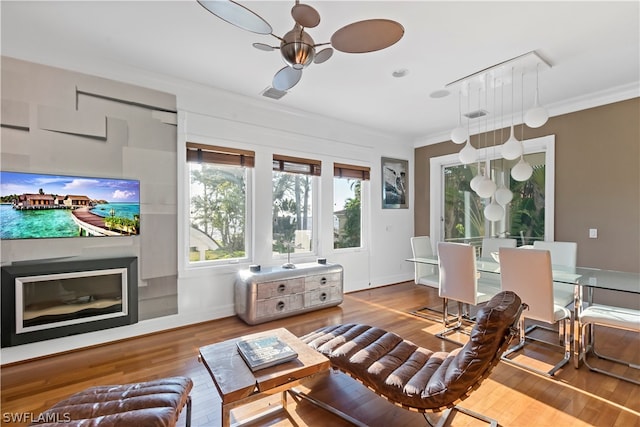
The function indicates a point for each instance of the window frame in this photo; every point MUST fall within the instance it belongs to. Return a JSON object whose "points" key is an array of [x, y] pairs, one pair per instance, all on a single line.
{"points": [[544, 144], [353, 172], [221, 156], [315, 171]]}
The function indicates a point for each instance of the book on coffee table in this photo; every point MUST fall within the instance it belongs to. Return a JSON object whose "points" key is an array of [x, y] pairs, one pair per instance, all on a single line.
{"points": [[263, 352]]}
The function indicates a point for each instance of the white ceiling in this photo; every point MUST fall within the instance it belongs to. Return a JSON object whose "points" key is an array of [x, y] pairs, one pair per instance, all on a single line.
{"points": [[593, 47]]}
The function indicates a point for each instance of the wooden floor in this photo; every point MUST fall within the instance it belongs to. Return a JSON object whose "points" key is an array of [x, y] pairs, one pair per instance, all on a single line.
{"points": [[515, 397]]}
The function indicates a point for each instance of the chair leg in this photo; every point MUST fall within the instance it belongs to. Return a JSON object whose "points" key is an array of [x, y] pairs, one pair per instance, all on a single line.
{"points": [[447, 417], [590, 348], [565, 345], [187, 422], [457, 327]]}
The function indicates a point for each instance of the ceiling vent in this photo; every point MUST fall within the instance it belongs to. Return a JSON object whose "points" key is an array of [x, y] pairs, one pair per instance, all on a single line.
{"points": [[476, 114], [273, 93]]}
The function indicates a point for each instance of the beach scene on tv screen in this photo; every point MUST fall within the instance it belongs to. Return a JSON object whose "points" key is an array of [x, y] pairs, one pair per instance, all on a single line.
{"points": [[47, 206]]}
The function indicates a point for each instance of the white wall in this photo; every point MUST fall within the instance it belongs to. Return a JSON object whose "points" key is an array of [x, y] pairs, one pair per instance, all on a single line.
{"points": [[209, 115]]}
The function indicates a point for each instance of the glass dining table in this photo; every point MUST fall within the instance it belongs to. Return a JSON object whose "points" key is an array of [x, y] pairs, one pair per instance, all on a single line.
{"points": [[583, 279]]}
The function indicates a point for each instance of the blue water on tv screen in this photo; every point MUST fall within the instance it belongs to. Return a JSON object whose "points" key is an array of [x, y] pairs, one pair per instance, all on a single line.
{"points": [[49, 206]]}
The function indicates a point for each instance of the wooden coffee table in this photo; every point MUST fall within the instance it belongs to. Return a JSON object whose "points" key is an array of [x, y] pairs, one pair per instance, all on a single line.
{"points": [[237, 385]]}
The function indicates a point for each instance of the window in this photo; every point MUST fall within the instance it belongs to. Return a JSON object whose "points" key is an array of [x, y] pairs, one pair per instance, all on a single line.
{"points": [[293, 204], [457, 213], [218, 197], [347, 205]]}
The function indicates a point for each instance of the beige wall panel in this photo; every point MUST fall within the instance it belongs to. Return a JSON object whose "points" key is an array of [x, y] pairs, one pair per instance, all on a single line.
{"points": [[153, 135], [158, 248], [160, 171], [127, 93], [71, 154], [16, 79], [158, 287], [157, 307], [15, 114], [14, 162], [82, 123], [15, 141], [165, 117], [597, 182]]}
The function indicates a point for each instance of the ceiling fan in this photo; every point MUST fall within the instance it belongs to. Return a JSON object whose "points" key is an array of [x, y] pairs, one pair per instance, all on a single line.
{"points": [[297, 47]]}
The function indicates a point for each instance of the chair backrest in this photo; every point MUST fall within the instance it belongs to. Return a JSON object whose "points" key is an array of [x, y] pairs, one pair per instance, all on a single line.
{"points": [[492, 244], [528, 274], [421, 247], [458, 274], [562, 253]]}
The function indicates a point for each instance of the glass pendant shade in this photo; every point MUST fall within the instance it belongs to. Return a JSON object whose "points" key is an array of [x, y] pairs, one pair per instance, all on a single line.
{"points": [[522, 171], [486, 188], [459, 135], [475, 181], [493, 211], [468, 154], [503, 195], [536, 116], [512, 148]]}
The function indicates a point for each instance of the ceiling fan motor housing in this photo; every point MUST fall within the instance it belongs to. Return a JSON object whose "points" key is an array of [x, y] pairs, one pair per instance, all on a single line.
{"points": [[297, 48]]}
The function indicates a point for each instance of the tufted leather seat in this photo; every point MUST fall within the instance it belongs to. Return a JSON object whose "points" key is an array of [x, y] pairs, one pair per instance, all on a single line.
{"points": [[149, 404], [414, 377]]}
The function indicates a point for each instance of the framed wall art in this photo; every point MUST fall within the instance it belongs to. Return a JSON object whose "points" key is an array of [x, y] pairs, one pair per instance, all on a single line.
{"points": [[395, 183]]}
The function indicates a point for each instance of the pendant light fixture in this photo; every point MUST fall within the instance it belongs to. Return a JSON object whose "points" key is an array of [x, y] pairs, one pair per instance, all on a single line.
{"points": [[522, 171], [468, 154], [511, 149], [537, 115], [493, 211], [460, 134]]}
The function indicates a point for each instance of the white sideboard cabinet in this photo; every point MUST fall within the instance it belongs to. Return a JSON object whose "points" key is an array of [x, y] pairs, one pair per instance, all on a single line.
{"points": [[264, 294]]}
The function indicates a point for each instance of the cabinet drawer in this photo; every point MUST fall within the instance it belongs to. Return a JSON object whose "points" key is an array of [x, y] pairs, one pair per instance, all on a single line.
{"points": [[324, 295], [277, 306], [322, 280], [279, 288]]}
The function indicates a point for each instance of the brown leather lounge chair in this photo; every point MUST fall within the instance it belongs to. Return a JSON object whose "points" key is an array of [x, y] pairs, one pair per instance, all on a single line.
{"points": [[416, 378], [155, 403]]}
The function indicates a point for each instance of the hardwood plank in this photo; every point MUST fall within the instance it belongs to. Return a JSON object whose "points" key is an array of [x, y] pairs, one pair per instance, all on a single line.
{"points": [[511, 395]]}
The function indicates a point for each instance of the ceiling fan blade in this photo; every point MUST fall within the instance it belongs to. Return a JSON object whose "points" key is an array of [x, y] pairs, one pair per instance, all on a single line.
{"points": [[286, 78], [367, 36], [323, 55], [305, 15], [238, 15], [263, 46]]}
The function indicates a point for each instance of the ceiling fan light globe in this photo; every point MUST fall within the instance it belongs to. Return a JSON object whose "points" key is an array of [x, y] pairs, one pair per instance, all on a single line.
{"points": [[297, 48]]}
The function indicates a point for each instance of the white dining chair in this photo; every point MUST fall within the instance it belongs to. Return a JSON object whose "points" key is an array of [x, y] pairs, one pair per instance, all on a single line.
{"points": [[528, 273], [425, 274], [607, 317], [492, 244], [458, 280], [563, 254]]}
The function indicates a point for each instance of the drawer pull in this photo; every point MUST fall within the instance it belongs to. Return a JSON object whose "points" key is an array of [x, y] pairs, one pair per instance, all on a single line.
{"points": [[280, 306], [323, 296], [281, 288], [323, 281]]}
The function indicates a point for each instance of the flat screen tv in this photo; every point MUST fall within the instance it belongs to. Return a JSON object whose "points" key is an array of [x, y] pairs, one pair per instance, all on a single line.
{"points": [[35, 206]]}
